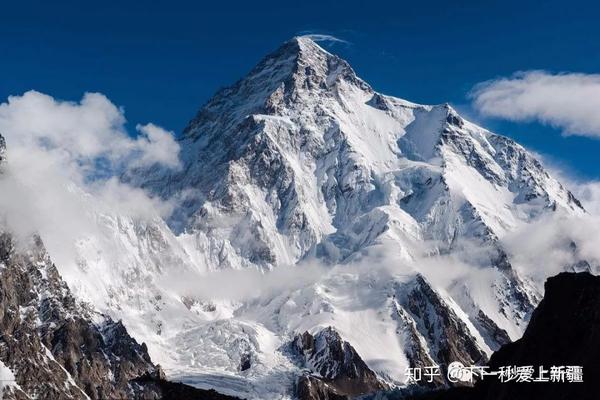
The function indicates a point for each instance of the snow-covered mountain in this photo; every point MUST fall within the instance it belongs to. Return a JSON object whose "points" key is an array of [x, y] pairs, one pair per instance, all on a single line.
{"points": [[321, 206], [302, 160]]}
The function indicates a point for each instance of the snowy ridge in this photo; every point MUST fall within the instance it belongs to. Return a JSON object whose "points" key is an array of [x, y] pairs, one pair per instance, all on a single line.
{"points": [[303, 163]]}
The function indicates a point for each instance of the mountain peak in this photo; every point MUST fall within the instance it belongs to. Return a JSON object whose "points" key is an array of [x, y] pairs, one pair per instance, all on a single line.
{"points": [[306, 43], [299, 68], [300, 59], [300, 47], [301, 56]]}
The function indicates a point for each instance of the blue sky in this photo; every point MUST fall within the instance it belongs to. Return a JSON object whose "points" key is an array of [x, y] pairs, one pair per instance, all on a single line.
{"points": [[162, 61]]}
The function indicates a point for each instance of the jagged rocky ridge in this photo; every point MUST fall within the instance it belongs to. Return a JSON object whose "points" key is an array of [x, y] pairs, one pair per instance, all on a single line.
{"points": [[302, 162], [55, 347], [335, 369], [563, 331]]}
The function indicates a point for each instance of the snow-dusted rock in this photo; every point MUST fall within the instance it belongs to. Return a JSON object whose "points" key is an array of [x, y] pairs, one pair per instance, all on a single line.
{"points": [[335, 362]]}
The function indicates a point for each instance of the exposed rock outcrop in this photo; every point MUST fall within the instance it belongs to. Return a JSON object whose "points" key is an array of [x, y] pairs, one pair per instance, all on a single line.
{"points": [[58, 348], [336, 369], [439, 324]]}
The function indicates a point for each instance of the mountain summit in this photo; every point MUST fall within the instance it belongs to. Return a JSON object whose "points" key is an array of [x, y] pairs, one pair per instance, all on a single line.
{"points": [[299, 64]]}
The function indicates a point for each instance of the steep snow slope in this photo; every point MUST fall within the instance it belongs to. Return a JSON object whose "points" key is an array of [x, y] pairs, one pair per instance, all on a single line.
{"points": [[402, 205]]}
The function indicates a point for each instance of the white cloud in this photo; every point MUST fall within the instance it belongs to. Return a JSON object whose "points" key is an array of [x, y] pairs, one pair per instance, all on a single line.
{"points": [[568, 101], [62, 163], [321, 37], [86, 133], [544, 248], [157, 146], [589, 195]]}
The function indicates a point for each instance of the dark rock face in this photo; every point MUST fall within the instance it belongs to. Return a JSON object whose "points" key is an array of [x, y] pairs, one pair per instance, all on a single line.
{"points": [[498, 335], [154, 383], [455, 120], [416, 350], [564, 331], [51, 343], [245, 362], [2, 148], [441, 326], [58, 348], [312, 388], [338, 371]]}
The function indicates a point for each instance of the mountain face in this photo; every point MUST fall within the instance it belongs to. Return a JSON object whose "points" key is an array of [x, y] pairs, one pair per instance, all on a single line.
{"points": [[335, 367], [301, 161], [393, 214], [303, 158]]}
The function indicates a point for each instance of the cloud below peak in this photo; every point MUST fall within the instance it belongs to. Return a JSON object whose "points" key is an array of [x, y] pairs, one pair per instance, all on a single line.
{"points": [[568, 101]]}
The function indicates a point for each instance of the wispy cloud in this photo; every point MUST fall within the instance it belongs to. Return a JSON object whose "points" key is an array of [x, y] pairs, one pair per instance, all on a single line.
{"points": [[568, 101], [321, 37]]}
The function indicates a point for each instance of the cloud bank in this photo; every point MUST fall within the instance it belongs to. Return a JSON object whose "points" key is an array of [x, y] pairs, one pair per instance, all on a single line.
{"points": [[568, 101], [90, 133], [63, 161]]}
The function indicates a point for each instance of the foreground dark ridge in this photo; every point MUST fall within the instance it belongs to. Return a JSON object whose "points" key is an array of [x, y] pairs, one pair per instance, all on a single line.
{"points": [[564, 330], [57, 348]]}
